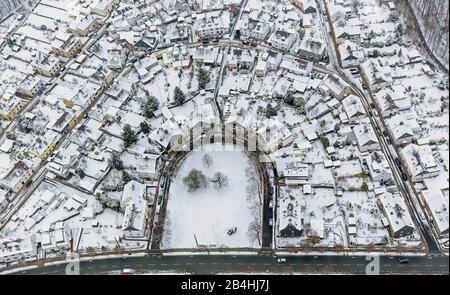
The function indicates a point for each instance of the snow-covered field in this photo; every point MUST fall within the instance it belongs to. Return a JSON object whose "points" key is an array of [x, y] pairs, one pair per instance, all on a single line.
{"points": [[209, 213]]}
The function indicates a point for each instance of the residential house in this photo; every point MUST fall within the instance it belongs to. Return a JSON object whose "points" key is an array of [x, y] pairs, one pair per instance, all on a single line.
{"points": [[350, 53], [134, 220], [399, 129], [379, 168], [397, 213], [282, 39], [17, 249], [312, 49], [66, 45], [47, 65], [254, 29], [31, 86], [211, 26], [10, 106], [419, 162], [335, 86], [437, 207], [354, 108], [365, 136]]}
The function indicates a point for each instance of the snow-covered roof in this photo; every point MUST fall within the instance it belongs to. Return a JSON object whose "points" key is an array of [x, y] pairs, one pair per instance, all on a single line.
{"points": [[396, 211]]}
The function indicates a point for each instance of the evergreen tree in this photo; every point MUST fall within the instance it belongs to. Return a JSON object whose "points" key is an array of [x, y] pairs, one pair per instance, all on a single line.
{"points": [[203, 78], [270, 111], [289, 98], [145, 128], [364, 187], [116, 162], [150, 106], [178, 96], [299, 104], [126, 178], [81, 173], [129, 136]]}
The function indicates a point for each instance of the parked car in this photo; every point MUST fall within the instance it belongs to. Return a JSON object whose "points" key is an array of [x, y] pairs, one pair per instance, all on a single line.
{"points": [[281, 260], [404, 176], [29, 182], [403, 260]]}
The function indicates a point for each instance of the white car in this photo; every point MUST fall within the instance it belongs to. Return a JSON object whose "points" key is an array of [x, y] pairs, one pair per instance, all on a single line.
{"points": [[281, 260]]}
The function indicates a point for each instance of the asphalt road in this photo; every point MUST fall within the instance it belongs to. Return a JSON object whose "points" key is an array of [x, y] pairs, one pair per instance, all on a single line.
{"points": [[215, 264]]}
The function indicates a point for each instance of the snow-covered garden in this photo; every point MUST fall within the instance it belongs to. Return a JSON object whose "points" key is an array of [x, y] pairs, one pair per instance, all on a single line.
{"points": [[214, 202]]}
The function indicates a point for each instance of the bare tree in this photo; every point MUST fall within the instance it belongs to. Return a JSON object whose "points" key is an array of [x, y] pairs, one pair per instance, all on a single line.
{"points": [[207, 160], [167, 234], [254, 231], [253, 186], [219, 180]]}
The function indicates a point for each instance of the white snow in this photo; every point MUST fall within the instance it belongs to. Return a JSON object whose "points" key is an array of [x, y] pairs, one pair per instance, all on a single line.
{"points": [[209, 213]]}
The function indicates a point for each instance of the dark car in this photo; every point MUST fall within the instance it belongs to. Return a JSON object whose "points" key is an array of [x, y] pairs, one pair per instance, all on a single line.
{"points": [[403, 260], [404, 176], [29, 182], [398, 162]]}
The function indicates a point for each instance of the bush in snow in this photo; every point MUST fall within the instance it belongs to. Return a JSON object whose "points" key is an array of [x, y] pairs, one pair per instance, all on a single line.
{"points": [[364, 187], [195, 180]]}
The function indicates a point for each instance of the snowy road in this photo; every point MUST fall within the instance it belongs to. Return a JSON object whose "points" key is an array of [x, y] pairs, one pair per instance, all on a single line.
{"points": [[214, 264]]}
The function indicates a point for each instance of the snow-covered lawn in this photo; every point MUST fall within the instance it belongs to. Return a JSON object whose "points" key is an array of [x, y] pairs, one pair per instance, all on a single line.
{"points": [[209, 213]]}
